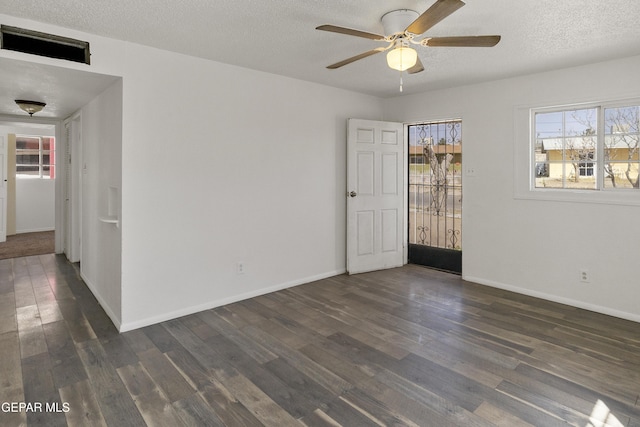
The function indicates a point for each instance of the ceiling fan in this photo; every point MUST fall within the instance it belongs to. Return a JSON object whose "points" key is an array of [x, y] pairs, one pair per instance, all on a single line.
{"points": [[404, 27]]}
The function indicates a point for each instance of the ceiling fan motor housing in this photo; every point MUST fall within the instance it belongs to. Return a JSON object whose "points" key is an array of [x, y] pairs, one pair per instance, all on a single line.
{"points": [[396, 21]]}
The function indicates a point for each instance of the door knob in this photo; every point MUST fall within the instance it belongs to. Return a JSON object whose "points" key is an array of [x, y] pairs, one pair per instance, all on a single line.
{"points": [[353, 194]]}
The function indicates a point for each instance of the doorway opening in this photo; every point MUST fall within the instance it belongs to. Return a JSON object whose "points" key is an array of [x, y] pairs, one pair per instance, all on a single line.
{"points": [[435, 194], [29, 188]]}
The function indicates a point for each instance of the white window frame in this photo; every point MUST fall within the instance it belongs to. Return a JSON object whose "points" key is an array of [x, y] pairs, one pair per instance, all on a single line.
{"points": [[41, 154], [525, 162]]}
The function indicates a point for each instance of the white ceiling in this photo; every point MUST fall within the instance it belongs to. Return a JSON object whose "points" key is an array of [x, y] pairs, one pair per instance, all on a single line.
{"points": [[279, 36]]}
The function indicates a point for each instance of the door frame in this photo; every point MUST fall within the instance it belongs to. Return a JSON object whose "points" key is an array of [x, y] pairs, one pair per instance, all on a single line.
{"points": [[71, 188], [20, 121]]}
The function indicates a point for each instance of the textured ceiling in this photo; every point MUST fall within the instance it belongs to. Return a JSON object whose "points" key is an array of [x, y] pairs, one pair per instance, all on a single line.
{"points": [[279, 36]]}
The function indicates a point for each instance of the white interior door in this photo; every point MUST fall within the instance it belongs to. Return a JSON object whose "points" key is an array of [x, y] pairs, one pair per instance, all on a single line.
{"points": [[375, 199], [3, 190]]}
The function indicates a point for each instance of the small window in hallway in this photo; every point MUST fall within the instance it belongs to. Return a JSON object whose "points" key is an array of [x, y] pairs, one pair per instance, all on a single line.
{"points": [[35, 157]]}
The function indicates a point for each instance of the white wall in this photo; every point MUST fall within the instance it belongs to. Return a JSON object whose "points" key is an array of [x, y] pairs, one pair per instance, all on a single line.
{"points": [[220, 165], [532, 246], [228, 165], [35, 205]]}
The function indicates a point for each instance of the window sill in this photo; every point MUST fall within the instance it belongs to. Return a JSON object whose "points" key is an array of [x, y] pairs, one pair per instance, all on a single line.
{"points": [[612, 197]]}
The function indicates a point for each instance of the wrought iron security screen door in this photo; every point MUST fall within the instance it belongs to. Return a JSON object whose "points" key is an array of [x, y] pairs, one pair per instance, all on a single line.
{"points": [[435, 194]]}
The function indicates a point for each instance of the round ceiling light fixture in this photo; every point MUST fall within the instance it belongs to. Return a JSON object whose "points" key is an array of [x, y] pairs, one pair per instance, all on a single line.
{"points": [[30, 107]]}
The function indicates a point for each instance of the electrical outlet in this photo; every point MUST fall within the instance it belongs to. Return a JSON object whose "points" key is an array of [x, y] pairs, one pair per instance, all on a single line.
{"points": [[584, 276], [240, 268], [470, 171]]}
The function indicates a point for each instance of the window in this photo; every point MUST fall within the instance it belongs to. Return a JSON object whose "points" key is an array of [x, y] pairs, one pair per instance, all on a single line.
{"points": [[587, 148], [621, 146], [35, 157]]}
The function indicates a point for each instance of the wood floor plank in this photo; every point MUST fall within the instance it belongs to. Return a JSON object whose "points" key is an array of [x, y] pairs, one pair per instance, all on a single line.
{"points": [[77, 323], [300, 384], [410, 411], [347, 414], [24, 291], [258, 402], [544, 403], [345, 369], [193, 411], [118, 350], [49, 312], [39, 389], [152, 403], [228, 409], [293, 403], [164, 374], [187, 340], [10, 363], [193, 372], [11, 379], [32, 340], [250, 347], [319, 372], [84, 409], [447, 411], [137, 341], [552, 384], [499, 417], [115, 402], [161, 338], [67, 367]]}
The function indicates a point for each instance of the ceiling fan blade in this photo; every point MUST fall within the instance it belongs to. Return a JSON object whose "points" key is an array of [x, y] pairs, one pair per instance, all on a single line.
{"points": [[463, 41], [416, 68], [350, 32], [436, 13], [356, 58]]}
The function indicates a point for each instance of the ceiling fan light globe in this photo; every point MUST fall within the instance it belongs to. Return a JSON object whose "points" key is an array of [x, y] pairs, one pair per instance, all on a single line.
{"points": [[402, 58]]}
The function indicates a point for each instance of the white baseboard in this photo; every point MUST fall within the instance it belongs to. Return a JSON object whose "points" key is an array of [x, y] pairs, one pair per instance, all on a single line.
{"points": [[35, 230], [555, 298], [129, 326]]}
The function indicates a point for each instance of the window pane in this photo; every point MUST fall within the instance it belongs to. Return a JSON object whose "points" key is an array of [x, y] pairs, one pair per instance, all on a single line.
{"points": [[580, 176], [549, 125], [27, 170], [27, 143], [47, 144], [621, 147], [27, 159], [581, 122], [621, 174], [565, 149]]}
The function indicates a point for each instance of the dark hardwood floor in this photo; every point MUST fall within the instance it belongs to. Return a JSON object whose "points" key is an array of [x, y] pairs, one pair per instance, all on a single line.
{"points": [[407, 346]]}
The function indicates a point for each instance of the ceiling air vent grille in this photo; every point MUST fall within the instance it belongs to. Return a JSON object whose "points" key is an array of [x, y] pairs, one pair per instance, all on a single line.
{"points": [[49, 45]]}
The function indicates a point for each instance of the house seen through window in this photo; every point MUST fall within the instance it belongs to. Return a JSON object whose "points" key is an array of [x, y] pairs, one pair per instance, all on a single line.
{"points": [[35, 157], [593, 148]]}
